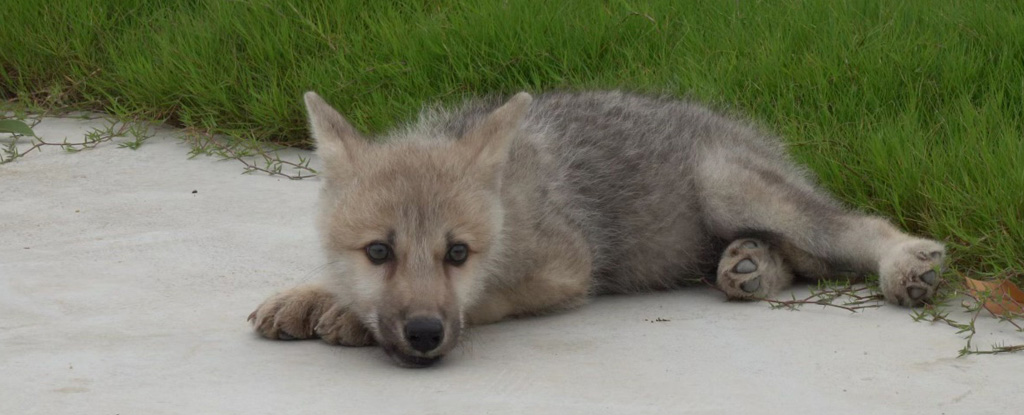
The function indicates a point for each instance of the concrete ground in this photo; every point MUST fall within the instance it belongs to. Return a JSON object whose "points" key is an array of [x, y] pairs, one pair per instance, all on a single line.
{"points": [[126, 278]]}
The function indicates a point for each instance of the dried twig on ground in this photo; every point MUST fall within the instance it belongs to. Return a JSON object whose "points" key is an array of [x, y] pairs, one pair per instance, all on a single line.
{"points": [[252, 154]]}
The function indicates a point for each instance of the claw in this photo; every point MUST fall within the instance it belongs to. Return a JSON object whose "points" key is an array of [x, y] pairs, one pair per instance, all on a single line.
{"points": [[916, 292], [749, 244]]}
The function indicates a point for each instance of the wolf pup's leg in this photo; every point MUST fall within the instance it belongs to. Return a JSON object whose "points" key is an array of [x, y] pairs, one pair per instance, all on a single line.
{"points": [[745, 192], [309, 311], [559, 278]]}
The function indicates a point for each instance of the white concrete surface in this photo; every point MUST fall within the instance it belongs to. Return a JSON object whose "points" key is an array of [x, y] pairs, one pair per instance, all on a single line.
{"points": [[123, 292]]}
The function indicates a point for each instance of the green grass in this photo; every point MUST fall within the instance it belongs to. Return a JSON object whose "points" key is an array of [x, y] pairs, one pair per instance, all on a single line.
{"points": [[910, 109]]}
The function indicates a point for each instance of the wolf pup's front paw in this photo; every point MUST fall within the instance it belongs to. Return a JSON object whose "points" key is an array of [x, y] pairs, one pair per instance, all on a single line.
{"points": [[307, 312], [910, 273], [341, 326], [750, 269]]}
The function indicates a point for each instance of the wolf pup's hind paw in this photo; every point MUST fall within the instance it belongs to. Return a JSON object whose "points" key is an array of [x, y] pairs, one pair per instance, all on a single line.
{"points": [[750, 269], [909, 275]]}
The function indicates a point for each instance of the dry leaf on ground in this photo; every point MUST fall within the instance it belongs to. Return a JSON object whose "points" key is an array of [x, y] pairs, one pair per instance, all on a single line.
{"points": [[1002, 298]]}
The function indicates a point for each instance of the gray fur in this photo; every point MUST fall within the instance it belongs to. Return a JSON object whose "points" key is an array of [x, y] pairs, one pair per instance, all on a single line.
{"points": [[624, 169]]}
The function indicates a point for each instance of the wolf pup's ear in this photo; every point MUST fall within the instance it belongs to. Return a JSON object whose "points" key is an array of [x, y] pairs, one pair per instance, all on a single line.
{"points": [[336, 140], [490, 140]]}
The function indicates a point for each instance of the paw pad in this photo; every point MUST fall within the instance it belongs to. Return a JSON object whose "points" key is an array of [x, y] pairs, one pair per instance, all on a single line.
{"points": [[745, 266], [930, 277], [916, 292], [751, 285]]}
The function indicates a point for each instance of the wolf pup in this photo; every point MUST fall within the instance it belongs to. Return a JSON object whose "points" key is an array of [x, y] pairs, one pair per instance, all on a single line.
{"points": [[491, 211]]}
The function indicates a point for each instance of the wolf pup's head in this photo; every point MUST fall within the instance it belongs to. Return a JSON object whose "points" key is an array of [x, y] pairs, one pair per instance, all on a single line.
{"points": [[409, 224]]}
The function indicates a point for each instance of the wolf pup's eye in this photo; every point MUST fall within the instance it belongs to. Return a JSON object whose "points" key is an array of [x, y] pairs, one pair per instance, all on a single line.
{"points": [[378, 253], [457, 254]]}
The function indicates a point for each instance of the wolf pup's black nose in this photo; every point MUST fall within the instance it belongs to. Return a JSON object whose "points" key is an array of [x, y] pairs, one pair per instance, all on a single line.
{"points": [[424, 333]]}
